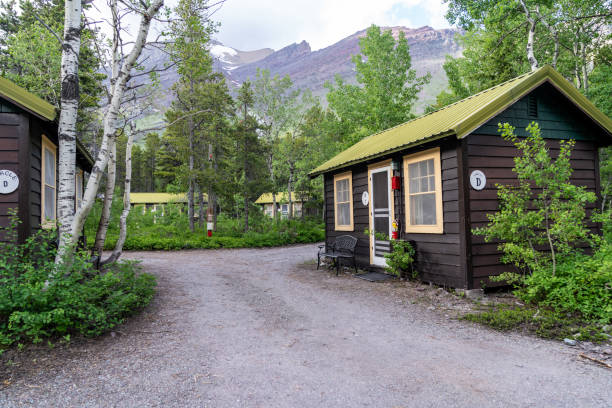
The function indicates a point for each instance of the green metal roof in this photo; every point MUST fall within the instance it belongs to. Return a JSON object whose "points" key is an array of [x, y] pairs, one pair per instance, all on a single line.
{"points": [[460, 119], [159, 198], [281, 197], [26, 100]]}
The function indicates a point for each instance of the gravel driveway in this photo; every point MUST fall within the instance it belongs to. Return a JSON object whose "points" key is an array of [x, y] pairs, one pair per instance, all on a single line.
{"points": [[258, 328]]}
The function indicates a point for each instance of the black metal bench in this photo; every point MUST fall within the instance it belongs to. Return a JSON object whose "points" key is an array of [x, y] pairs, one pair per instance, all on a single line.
{"points": [[342, 248]]}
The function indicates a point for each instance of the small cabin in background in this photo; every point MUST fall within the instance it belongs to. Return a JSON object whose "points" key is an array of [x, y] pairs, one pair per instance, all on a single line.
{"points": [[29, 160], [282, 204], [156, 202], [436, 175], [300, 204]]}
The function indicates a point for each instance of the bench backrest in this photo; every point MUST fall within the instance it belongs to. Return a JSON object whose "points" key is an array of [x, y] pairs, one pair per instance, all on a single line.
{"points": [[345, 243]]}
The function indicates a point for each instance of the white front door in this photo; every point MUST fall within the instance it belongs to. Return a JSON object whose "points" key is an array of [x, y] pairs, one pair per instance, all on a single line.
{"points": [[380, 214]]}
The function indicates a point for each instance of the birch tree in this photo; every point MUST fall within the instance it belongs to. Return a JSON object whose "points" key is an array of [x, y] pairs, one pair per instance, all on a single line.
{"points": [[67, 129], [122, 66]]}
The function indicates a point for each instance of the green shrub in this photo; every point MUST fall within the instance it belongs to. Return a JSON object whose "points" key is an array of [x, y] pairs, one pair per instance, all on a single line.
{"points": [[582, 284], [77, 300], [541, 225], [400, 260]]}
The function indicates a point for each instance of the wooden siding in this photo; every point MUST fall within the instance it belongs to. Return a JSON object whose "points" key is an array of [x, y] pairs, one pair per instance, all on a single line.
{"points": [[12, 146], [35, 173], [488, 152], [438, 257]]}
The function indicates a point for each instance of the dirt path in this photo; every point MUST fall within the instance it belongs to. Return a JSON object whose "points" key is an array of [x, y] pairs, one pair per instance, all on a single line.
{"points": [[253, 328]]}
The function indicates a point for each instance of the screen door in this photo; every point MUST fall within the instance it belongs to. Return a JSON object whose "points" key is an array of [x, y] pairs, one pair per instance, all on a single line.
{"points": [[380, 214]]}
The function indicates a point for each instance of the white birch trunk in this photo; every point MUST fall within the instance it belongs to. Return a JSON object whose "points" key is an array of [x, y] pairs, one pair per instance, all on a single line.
{"points": [[585, 70], [110, 118], [108, 200], [66, 194], [126, 202], [533, 62]]}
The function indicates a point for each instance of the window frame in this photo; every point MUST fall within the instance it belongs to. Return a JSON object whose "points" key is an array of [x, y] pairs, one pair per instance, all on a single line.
{"points": [[339, 177], [438, 227], [46, 143]]}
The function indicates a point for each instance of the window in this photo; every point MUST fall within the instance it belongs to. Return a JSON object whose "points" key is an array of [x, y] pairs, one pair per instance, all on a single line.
{"points": [[423, 189], [78, 189], [48, 183], [343, 201]]}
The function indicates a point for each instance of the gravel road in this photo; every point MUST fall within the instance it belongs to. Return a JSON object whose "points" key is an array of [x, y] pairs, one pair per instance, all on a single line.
{"points": [[260, 328]]}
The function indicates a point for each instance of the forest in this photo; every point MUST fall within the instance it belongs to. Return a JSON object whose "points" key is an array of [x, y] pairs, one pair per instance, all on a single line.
{"points": [[225, 147]]}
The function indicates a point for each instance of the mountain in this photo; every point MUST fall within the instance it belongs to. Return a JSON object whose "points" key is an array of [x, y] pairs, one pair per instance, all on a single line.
{"points": [[311, 69]]}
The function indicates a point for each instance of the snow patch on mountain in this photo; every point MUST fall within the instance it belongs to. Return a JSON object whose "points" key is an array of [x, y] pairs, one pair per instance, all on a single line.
{"points": [[222, 52]]}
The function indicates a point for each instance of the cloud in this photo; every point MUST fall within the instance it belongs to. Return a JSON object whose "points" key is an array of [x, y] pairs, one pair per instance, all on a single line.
{"points": [[253, 24], [248, 24]]}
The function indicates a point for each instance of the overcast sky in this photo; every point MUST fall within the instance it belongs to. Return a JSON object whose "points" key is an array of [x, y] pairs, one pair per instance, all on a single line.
{"points": [[253, 24]]}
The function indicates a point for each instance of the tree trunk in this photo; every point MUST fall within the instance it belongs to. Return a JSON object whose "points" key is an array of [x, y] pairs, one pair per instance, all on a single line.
{"points": [[576, 68], [110, 118], [533, 62], [126, 201], [66, 194], [191, 130], [212, 196], [190, 205], [108, 201], [201, 213], [289, 190], [585, 71]]}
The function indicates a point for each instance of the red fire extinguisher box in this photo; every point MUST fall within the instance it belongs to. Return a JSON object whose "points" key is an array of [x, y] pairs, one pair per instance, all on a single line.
{"points": [[395, 183]]}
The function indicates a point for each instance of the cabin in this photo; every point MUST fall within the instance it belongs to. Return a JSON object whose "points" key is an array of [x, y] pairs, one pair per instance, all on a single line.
{"points": [[282, 204], [29, 160], [156, 202], [436, 176]]}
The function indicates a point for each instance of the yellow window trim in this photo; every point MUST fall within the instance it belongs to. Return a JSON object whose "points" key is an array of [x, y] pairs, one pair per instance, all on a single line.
{"points": [[438, 228], [344, 176], [45, 142]]}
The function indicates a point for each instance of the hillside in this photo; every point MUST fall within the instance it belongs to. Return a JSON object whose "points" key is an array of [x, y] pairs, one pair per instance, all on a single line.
{"points": [[311, 69]]}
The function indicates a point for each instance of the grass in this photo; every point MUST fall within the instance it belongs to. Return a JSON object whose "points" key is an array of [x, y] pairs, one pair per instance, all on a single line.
{"points": [[541, 322]]}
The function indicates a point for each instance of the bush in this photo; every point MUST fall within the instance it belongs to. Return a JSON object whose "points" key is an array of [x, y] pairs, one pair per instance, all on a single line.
{"points": [[399, 261], [77, 300], [582, 284], [541, 226]]}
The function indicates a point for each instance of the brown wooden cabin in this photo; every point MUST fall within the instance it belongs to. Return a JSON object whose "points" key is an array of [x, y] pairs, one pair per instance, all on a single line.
{"points": [[433, 158], [28, 148]]}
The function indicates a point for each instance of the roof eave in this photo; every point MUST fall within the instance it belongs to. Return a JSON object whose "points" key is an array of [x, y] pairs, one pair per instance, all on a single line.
{"points": [[316, 173]]}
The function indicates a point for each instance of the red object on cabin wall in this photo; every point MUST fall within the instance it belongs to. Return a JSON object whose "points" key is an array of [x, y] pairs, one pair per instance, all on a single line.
{"points": [[395, 234], [395, 183], [210, 233]]}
